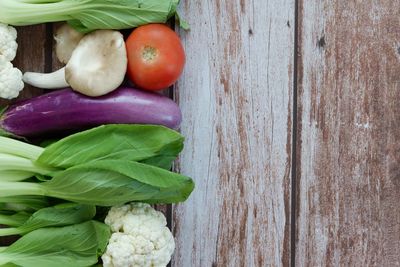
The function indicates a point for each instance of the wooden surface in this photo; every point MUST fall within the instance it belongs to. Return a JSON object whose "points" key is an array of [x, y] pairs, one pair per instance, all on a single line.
{"points": [[250, 102], [348, 175], [236, 97]]}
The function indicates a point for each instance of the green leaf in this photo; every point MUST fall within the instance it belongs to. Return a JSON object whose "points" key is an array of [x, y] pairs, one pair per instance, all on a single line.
{"points": [[127, 142], [88, 15], [23, 203], [9, 265], [14, 220], [159, 161], [71, 246], [59, 215], [113, 182], [103, 234], [182, 23]]}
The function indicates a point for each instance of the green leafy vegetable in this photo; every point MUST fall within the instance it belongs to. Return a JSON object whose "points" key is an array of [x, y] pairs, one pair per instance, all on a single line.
{"points": [[108, 183], [114, 182], [127, 142], [59, 215], [164, 161], [15, 176], [87, 15], [71, 246], [14, 163], [19, 148], [23, 203], [105, 166], [14, 220], [149, 144]]}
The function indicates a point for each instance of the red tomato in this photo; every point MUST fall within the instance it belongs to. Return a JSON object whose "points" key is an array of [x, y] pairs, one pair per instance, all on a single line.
{"points": [[155, 57]]}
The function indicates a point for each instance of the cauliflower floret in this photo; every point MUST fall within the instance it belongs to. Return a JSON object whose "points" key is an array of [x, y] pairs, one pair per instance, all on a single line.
{"points": [[140, 237], [10, 80], [8, 43]]}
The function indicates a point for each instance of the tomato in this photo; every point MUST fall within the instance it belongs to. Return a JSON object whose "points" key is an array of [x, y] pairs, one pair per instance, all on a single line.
{"points": [[155, 57]]}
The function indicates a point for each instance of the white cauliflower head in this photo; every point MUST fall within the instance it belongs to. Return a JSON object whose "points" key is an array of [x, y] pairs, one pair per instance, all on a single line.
{"points": [[140, 237], [10, 80], [8, 43]]}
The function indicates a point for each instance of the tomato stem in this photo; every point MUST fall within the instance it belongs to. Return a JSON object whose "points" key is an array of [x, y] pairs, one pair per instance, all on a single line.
{"points": [[149, 53]]}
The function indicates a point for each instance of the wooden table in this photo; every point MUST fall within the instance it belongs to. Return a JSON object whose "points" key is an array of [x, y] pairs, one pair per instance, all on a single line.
{"points": [[292, 123]]}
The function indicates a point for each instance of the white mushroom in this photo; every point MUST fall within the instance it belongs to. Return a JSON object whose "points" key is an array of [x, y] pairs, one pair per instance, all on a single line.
{"points": [[97, 66], [67, 39]]}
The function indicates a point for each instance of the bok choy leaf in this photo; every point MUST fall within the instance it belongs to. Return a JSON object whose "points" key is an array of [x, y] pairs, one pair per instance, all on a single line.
{"points": [[71, 246], [59, 215], [88, 15], [126, 142], [108, 183]]}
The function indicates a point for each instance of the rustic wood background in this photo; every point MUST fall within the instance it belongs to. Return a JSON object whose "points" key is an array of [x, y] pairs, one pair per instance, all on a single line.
{"points": [[292, 119]]}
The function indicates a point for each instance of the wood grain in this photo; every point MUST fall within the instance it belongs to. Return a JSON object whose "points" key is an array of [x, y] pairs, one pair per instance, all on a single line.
{"points": [[348, 180], [236, 99]]}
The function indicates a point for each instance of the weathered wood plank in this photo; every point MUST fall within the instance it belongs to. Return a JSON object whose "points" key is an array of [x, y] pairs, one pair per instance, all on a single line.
{"points": [[348, 150], [236, 98]]}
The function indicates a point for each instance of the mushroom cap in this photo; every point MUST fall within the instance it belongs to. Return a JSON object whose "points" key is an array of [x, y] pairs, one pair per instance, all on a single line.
{"points": [[98, 64], [67, 39]]}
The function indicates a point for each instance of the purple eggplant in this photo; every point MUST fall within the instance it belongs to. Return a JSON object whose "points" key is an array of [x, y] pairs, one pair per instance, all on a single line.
{"points": [[65, 110]]}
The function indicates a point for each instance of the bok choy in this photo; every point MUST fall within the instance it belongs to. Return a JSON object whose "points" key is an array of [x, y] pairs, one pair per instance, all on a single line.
{"points": [[108, 183], [87, 15], [23, 203], [77, 245], [59, 215], [105, 166], [14, 220]]}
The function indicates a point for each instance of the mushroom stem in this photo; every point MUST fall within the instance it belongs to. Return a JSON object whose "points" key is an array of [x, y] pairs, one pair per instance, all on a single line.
{"points": [[53, 80]]}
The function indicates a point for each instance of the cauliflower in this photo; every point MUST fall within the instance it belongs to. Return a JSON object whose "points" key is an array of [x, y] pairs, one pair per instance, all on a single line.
{"points": [[8, 43], [140, 237], [10, 80]]}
